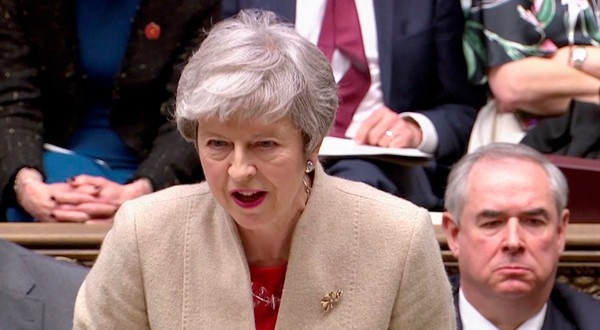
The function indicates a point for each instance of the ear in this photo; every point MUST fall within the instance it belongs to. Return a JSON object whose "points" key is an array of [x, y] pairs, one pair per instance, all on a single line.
{"points": [[451, 230], [314, 155], [563, 222]]}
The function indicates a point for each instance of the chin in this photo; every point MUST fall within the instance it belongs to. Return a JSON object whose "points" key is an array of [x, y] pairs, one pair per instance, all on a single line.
{"points": [[513, 288]]}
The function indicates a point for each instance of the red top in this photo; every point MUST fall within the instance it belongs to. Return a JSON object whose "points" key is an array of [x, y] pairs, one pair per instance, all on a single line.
{"points": [[267, 287]]}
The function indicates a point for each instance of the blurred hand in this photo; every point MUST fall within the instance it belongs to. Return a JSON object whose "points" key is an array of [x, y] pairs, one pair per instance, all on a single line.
{"points": [[107, 197], [385, 128], [40, 200]]}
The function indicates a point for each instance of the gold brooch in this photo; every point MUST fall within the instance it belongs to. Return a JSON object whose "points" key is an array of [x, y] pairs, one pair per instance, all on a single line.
{"points": [[331, 299]]}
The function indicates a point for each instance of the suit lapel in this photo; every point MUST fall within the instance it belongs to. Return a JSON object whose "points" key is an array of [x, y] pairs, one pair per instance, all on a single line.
{"points": [[386, 24], [555, 320], [19, 309]]}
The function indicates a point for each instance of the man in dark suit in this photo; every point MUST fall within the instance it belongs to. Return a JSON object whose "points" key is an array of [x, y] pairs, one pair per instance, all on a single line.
{"points": [[36, 292], [416, 68], [505, 223]]}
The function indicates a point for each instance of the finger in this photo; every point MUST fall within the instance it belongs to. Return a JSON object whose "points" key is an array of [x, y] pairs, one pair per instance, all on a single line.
{"points": [[88, 189], [363, 132], [93, 210], [61, 215], [400, 141], [402, 136], [382, 133], [84, 179], [73, 198]]}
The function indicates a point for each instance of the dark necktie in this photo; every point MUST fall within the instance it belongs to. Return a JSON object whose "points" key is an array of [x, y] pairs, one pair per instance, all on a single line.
{"points": [[341, 30]]}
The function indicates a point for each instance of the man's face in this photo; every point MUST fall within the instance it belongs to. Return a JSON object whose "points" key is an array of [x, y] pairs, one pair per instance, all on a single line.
{"points": [[511, 235]]}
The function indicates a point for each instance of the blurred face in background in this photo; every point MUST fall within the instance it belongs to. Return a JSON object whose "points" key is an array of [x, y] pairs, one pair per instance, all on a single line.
{"points": [[511, 235]]}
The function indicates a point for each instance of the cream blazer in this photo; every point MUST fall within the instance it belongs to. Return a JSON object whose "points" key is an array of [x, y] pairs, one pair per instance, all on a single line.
{"points": [[174, 260]]}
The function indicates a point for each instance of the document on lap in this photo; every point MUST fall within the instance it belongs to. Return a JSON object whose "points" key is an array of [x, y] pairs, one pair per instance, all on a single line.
{"points": [[335, 148]]}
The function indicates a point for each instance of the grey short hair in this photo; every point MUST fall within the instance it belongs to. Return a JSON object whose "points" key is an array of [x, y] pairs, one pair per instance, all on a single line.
{"points": [[256, 67], [456, 191]]}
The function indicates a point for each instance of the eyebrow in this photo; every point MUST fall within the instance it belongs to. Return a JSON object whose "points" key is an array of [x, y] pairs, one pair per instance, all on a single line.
{"points": [[494, 214]]}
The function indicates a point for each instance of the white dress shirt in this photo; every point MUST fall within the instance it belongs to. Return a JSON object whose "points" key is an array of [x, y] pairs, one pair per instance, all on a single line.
{"points": [[473, 320]]}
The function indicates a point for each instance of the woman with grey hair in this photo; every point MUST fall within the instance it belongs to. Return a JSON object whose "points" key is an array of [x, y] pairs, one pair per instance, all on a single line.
{"points": [[269, 240]]}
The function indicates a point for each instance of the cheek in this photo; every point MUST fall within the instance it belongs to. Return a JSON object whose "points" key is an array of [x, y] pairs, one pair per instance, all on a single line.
{"points": [[482, 256], [213, 171]]}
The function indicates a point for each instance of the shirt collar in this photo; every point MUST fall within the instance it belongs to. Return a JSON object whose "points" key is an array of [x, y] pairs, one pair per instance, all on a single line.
{"points": [[473, 320]]}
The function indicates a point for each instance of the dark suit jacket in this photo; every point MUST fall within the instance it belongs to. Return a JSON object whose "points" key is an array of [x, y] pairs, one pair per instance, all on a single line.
{"points": [[41, 94], [422, 64], [568, 309], [36, 292]]}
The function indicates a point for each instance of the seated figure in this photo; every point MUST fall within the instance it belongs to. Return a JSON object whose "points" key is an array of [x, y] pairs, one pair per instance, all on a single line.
{"points": [[505, 223], [36, 292], [542, 64], [85, 100], [402, 80]]}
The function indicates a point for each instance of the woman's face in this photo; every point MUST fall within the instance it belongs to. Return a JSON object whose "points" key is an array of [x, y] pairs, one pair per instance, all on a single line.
{"points": [[255, 171]]}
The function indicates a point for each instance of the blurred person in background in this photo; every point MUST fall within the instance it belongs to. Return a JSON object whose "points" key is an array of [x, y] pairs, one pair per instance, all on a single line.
{"points": [[85, 102]]}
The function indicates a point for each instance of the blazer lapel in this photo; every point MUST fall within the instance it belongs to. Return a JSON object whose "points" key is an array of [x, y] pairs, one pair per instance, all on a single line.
{"points": [[322, 260], [230, 291]]}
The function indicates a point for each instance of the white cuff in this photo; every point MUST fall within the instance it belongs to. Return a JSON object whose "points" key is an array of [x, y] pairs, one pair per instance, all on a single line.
{"points": [[429, 141]]}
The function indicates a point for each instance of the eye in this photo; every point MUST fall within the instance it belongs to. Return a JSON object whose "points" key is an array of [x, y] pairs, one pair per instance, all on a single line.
{"points": [[266, 144], [216, 144], [491, 224], [534, 222]]}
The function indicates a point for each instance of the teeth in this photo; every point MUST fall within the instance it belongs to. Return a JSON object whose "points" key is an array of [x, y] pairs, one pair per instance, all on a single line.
{"points": [[246, 193]]}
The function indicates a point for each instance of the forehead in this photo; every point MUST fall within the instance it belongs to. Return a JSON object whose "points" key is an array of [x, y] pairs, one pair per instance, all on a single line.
{"points": [[508, 185], [243, 126]]}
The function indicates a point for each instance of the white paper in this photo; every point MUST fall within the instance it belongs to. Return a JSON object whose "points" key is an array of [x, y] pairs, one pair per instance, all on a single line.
{"points": [[333, 147]]}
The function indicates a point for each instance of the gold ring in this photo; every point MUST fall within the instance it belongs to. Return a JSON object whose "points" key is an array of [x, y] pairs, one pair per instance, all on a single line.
{"points": [[389, 134]]}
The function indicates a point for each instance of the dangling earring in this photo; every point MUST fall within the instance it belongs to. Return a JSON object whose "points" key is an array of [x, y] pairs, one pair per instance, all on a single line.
{"points": [[310, 166], [306, 186]]}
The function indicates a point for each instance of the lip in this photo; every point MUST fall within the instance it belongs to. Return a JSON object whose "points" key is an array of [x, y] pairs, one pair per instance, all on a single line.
{"points": [[512, 269], [256, 200]]}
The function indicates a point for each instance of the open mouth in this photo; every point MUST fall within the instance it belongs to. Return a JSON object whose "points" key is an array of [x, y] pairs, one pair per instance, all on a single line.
{"points": [[248, 198]]}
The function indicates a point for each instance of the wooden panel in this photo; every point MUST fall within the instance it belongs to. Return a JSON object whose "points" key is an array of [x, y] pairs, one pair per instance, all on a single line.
{"points": [[583, 176], [579, 265]]}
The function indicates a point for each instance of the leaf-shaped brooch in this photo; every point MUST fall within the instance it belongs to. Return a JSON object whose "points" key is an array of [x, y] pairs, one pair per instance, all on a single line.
{"points": [[331, 299]]}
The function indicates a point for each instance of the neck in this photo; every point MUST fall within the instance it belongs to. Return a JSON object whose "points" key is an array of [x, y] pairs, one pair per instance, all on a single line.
{"points": [[266, 249]]}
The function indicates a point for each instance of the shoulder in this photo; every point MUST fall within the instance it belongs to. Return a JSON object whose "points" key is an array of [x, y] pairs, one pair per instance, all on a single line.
{"points": [[166, 210], [374, 213], [577, 306], [170, 199], [375, 201], [53, 278]]}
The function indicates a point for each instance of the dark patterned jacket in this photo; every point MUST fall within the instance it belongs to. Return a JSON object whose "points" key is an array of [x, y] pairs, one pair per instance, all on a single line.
{"points": [[41, 85]]}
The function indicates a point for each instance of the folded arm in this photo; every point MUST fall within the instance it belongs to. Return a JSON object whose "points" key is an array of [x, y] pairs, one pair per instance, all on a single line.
{"points": [[546, 86]]}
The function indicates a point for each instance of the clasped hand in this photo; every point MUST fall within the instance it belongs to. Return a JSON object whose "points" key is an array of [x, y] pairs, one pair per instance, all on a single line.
{"points": [[83, 198]]}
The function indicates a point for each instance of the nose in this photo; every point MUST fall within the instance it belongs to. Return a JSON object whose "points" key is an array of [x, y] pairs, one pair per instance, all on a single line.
{"points": [[241, 167], [512, 239]]}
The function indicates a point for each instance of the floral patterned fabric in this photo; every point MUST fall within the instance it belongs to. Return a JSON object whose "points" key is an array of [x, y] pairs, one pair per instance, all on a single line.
{"points": [[500, 31]]}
